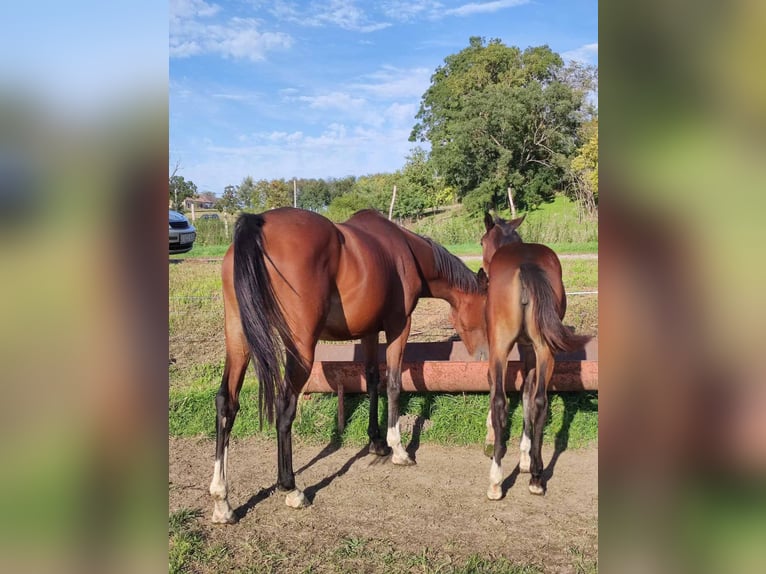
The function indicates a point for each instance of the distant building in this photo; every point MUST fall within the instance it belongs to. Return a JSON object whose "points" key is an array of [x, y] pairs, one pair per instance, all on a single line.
{"points": [[200, 203]]}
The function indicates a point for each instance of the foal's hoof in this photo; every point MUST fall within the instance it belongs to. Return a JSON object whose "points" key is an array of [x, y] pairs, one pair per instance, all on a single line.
{"points": [[538, 489], [402, 460], [223, 515], [495, 492], [379, 448], [489, 450], [296, 499]]}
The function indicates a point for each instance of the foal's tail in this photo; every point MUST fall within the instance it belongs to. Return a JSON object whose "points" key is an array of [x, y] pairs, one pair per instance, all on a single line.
{"points": [[263, 323], [546, 305]]}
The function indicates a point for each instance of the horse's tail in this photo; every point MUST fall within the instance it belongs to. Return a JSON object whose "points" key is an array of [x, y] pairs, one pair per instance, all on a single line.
{"points": [[546, 308], [263, 323]]}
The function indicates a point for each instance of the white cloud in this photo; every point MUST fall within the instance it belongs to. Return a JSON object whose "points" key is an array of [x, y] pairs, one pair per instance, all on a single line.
{"points": [[408, 10], [587, 54], [187, 9], [395, 83], [484, 7], [345, 14], [334, 100], [192, 34]]}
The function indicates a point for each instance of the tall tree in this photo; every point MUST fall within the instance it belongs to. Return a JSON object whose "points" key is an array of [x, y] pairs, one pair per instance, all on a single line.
{"points": [[180, 189], [230, 201], [497, 116]]}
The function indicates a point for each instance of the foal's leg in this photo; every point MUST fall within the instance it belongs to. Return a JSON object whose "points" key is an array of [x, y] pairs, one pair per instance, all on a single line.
{"points": [[297, 371], [396, 340], [372, 376], [528, 355], [227, 405], [499, 411], [503, 327], [544, 368], [489, 439]]}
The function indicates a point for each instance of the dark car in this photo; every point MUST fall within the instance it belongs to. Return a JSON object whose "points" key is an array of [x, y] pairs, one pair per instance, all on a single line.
{"points": [[209, 216], [182, 233]]}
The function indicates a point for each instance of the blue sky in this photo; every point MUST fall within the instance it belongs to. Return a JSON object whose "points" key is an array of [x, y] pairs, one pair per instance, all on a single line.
{"points": [[279, 89]]}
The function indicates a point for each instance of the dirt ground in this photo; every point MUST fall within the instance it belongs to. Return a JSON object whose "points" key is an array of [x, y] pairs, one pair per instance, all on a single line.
{"points": [[439, 503]]}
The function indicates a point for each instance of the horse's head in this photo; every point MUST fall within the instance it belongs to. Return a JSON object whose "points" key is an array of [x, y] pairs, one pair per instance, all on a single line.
{"points": [[499, 232], [469, 320]]}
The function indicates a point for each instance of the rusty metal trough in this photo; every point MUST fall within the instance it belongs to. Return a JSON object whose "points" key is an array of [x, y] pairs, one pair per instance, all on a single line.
{"points": [[444, 367], [441, 367]]}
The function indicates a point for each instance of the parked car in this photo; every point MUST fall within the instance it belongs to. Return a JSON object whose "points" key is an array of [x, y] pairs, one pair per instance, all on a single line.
{"points": [[182, 233], [209, 216]]}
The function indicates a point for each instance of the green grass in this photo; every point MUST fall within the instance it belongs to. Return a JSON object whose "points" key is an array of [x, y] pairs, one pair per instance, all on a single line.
{"points": [[188, 546], [474, 248], [447, 418], [191, 550], [203, 251]]}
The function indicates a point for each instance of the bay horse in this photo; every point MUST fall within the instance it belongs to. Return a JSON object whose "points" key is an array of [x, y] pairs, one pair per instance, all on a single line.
{"points": [[525, 303], [292, 277]]}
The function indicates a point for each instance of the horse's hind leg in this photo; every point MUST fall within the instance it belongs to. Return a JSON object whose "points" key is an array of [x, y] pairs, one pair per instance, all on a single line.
{"points": [[396, 339], [227, 405], [297, 371], [539, 414], [528, 356]]}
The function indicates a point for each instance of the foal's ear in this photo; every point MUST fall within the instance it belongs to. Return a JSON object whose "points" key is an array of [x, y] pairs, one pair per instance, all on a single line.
{"points": [[489, 223], [513, 224], [483, 280]]}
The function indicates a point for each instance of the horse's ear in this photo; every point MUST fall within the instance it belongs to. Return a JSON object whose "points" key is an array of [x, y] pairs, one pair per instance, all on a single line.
{"points": [[488, 221], [514, 223], [483, 280]]}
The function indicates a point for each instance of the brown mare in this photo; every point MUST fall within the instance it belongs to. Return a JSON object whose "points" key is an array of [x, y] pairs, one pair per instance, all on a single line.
{"points": [[525, 303], [292, 278]]}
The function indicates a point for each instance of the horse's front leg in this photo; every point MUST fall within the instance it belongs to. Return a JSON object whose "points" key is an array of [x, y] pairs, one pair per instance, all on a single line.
{"points": [[396, 340], [287, 401], [372, 376]]}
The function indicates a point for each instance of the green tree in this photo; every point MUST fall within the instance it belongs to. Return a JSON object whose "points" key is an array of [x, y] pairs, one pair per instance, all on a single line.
{"points": [[180, 189], [584, 169], [497, 116], [230, 201], [313, 194]]}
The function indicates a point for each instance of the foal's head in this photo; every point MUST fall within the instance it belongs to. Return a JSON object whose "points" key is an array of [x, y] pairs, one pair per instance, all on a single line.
{"points": [[499, 232], [469, 320]]}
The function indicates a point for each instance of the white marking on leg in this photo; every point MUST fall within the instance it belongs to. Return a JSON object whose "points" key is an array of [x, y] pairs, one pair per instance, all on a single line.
{"points": [[296, 499], [490, 429], [222, 512], [524, 460], [394, 440], [495, 490], [536, 489], [218, 485]]}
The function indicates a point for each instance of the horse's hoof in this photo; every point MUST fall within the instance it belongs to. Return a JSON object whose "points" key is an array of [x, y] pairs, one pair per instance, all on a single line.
{"points": [[223, 515], [495, 492], [489, 450], [296, 499], [379, 448], [402, 460], [537, 489]]}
